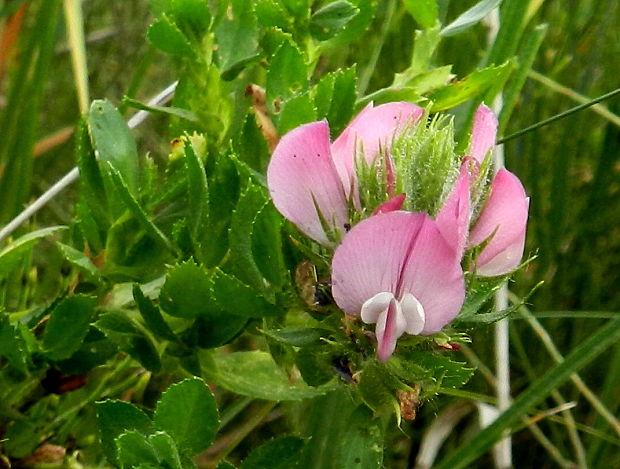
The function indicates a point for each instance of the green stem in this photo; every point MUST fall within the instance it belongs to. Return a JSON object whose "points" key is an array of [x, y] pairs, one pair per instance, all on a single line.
{"points": [[559, 116]]}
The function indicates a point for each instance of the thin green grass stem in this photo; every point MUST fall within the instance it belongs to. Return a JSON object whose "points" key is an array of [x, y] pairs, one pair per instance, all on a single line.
{"points": [[575, 378], [77, 44], [559, 116]]}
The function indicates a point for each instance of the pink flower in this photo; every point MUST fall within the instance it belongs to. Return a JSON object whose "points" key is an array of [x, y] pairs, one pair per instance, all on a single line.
{"points": [[502, 222], [313, 183], [396, 270]]}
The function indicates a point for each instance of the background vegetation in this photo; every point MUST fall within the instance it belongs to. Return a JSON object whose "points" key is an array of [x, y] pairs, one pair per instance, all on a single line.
{"points": [[562, 53]]}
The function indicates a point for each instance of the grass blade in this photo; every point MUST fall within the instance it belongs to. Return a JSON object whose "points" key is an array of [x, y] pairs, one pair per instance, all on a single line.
{"points": [[577, 359]]}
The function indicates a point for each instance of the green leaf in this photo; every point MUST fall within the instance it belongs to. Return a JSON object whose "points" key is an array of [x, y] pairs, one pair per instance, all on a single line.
{"points": [[114, 142], [378, 388], [358, 436], [136, 209], [152, 316], [68, 325], [470, 17], [192, 16], [166, 450], [12, 255], [296, 111], [237, 38], [287, 75], [332, 18], [279, 453], [188, 413], [299, 8], [579, 357], [198, 190], [271, 14], [239, 299], [165, 110], [223, 194], [93, 208], [343, 99], [11, 345], [116, 417], [241, 259], [225, 465], [96, 349], [122, 330], [298, 337], [256, 375], [471, 86], [187, 291], [316, 364], [133, 449], [79, 260], [166, 36], [361, 443], [425, 12]]}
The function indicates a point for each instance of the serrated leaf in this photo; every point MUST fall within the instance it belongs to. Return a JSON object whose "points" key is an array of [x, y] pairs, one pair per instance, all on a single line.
{"points": [[11, 345], [237, 38], [279, 453], [315, 363], [114, 142], [361, 444], [96, 349], [357, 26], [296, 111], [93, 204], [470, 17], [133, 449], [226, 465], [192, 16], [256, 375], [116, 417], [378, 388], [360, 440], [298, 337], [299, 8], [330, 19], [188, 413], [442, 369], [132, 204], [425, 12], [152, 316], [68, 325], [11, 256], [469, 87], [223, 194], [343, 99], [187, 292], [130, 338], [241, 259], [79, 260], [286, 76], [166, 36], [198, 191], [217, 329], [166, 450], [271, 14], [239, 299]]}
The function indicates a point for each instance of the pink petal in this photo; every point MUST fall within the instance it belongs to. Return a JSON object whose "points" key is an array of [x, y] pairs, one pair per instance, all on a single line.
{"points": [[391, 205], [433, 275], [504, 216], [454, 217], [390, 327], [483, 133], [402, 253], [371, 256], [372, 129], [302, 177]]}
